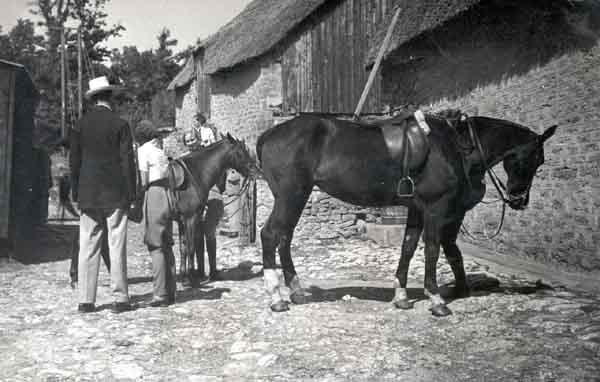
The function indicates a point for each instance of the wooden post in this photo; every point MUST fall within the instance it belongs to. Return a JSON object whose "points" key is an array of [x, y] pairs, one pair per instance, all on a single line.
{"points": [[375, 69]]}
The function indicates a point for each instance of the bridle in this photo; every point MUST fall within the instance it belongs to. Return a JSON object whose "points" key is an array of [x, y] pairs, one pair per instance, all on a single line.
{"points": [[500, 187]]}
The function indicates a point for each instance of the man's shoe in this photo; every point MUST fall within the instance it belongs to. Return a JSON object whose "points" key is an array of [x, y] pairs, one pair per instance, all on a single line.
{"points": [[162, 302], [120, 307], [86, 308]]}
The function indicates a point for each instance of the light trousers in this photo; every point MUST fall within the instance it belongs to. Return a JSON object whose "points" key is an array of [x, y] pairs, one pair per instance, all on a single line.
{"points": [[90, 241]]}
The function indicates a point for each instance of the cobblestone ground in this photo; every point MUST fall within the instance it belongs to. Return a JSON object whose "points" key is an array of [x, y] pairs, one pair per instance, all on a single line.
{"points": [[518, 330]]}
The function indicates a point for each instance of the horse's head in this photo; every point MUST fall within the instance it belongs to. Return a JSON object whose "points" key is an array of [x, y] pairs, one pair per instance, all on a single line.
{"points": [[239, 158], [521, 165]]}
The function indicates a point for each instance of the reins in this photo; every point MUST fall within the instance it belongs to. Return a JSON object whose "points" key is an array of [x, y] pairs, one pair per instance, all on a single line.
{"points": [[500, 187]]}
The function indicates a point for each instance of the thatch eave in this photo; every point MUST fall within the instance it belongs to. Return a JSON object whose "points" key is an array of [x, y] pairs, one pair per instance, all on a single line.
{"points": [[416, 18]]}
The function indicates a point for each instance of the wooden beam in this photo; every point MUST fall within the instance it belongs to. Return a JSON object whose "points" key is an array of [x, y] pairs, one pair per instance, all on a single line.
{"points": [[375, 68]]}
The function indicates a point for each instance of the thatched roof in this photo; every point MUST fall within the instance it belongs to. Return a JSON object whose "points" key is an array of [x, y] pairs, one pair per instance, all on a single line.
{"points": [[415, 18], [255, 31], [185, 76]]}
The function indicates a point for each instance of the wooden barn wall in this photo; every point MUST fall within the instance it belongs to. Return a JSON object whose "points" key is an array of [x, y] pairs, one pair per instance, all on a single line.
{"points": [[323, 66]]}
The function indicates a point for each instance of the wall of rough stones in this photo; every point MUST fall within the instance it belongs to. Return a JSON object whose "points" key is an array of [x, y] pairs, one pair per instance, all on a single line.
{"points": [[537, 80]]}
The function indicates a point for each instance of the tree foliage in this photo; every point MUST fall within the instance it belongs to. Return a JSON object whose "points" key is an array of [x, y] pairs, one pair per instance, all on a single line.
{"points": [[147, 75]]}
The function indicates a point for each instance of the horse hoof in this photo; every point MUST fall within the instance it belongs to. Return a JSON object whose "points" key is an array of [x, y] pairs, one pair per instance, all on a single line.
{"points": [[440, 310], [403, 304], [300, 297], [280, 306]]}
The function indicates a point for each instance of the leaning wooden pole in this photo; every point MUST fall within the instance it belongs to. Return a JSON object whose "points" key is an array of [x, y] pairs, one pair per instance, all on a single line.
{"points": [[375, 69], [63, 103]]}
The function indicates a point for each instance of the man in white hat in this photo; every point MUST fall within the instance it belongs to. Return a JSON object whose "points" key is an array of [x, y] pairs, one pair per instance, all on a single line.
{"points": [[104, 186]]}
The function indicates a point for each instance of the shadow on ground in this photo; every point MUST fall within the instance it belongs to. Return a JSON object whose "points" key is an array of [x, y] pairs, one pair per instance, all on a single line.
{"points": [[47, 243], [480, 285]]}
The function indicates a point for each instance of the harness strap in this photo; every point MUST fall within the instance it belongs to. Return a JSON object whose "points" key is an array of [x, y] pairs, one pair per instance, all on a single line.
{"points": [[406, 179]]}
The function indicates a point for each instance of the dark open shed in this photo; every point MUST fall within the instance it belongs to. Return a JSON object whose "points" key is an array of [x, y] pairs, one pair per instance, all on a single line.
{"points": [[18, 98]]}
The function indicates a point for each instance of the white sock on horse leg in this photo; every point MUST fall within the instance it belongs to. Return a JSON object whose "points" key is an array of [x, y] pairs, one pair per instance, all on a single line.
{"points": [[435, 299], [295, 285], [399, 292], [272, 285]]}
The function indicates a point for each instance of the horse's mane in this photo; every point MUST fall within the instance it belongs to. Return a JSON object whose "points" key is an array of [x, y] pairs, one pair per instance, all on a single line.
{"points": [[202, 151]]}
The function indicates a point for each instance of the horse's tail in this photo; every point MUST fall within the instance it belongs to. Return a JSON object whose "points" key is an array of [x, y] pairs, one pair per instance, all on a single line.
{"points": [[259, 145], [64, 189]]}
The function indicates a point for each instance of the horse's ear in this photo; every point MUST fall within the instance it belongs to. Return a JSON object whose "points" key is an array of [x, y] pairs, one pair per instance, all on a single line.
{"points": [[231, 139], [548, 133], [223, 136]]}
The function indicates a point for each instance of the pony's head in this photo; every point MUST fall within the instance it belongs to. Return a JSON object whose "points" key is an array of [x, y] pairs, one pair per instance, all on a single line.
{"points": [[239, 158], [521, 165]]}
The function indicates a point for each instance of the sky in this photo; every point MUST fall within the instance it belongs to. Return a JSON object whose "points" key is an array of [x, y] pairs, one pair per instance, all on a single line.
{"points": [[187, 20]]}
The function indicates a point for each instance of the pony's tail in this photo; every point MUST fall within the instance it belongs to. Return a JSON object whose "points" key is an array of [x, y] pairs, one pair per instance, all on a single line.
{"points": [[64, 189]]}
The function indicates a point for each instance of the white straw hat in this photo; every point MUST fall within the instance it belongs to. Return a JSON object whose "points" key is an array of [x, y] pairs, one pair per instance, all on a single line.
{"points": [[100, 84]]}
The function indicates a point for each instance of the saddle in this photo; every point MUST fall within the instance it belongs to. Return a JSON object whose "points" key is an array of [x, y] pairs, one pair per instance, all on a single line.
{"points": [[407, 143], [176, 175]]}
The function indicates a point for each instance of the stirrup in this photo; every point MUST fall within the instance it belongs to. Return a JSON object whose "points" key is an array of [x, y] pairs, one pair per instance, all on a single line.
{"points": [[406, 180]]}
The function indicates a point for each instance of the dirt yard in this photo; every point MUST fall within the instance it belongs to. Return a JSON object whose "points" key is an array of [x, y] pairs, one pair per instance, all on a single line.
{"points": [[510, 329]]}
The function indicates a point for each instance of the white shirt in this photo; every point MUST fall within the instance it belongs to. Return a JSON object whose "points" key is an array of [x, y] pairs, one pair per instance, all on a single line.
{"points": [[153, 160], [203, 135], [207, 136]]}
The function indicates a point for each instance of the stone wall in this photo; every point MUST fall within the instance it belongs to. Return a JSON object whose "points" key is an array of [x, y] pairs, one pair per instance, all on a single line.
{"points": [[537, 75], [186, 106], [244, 100]]}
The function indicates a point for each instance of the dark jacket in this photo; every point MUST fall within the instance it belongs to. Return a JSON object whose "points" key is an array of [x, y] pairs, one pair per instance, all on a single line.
{"points": [[102, 161]]}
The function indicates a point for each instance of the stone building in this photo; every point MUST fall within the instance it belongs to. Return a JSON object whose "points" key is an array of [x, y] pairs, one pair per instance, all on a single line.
{"points": [[528, 61]]}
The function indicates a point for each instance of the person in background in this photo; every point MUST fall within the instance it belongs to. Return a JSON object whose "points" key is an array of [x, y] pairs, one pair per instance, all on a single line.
{"points": [[104, 187], [158, 236], [201, 135]]}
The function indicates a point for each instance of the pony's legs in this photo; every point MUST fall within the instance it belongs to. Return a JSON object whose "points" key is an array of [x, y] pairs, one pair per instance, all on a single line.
{"points": [[454, 257], [199, 247], [412, 233], [432, 235], [190, 228], [182, 248]]}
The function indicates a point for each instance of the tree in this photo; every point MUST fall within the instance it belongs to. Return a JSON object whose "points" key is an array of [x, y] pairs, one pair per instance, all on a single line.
{"points": [[22, 45], [91, 15], [147, 75]]}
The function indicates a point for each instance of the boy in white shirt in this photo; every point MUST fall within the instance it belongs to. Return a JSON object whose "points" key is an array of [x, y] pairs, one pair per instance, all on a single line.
{"points": [[158, 235]]}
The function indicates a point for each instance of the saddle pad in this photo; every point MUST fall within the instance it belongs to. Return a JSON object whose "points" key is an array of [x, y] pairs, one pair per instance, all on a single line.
{"points": [[176, 175], [406, 135]]}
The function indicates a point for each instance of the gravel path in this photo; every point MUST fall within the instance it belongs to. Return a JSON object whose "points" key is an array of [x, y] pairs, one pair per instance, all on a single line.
{"points": [[510, 329]]}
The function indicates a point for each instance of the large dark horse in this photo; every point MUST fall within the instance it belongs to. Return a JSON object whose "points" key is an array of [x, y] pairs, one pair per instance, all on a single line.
{"points": [[191, 177], [351, 162]]}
